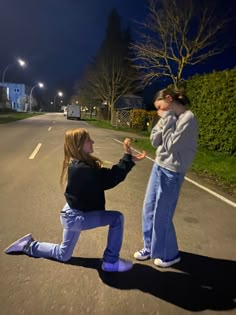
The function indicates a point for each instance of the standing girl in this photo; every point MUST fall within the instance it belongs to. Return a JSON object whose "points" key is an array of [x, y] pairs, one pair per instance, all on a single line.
{"points": [[175, 139], [85, 203]]}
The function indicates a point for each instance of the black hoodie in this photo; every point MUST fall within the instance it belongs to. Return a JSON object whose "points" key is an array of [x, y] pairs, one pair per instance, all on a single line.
{"points": [[86, 184]]}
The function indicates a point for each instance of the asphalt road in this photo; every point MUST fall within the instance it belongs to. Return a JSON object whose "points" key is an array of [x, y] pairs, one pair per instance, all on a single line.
{"points": [[31, 199]]}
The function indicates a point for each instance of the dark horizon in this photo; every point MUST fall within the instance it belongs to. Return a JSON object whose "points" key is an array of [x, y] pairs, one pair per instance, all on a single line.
{"points": [[59, 40]]}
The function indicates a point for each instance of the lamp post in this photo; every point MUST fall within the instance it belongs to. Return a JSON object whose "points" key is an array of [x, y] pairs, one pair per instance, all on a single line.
{"points": [[41, 85], [60, 94], [21, 63]]}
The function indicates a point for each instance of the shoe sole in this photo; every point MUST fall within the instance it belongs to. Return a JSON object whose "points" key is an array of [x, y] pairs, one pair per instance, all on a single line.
{"points": [[117, 270], [142, 258], [168, 264], [8, 249]]}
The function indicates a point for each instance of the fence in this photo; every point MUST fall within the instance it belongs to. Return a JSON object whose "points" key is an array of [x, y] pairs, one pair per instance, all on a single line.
{"points": [[122, 118]]}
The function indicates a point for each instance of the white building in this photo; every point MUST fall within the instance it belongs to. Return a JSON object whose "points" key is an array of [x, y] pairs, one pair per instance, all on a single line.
{"points": [[17, 96]]}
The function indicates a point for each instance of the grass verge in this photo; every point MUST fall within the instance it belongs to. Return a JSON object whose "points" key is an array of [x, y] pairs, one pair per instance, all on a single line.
{"points": [[216, 168], [8, 117]]}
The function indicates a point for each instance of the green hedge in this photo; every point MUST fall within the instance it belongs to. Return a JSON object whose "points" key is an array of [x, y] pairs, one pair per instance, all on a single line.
{"points": [[139, 119], [213, 100], [142, 119]]}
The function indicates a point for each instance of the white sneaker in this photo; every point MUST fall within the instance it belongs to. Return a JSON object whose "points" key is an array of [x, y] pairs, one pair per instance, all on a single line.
{"points": [[120, 265], [20, 244], [164, 264], [142, 254]]}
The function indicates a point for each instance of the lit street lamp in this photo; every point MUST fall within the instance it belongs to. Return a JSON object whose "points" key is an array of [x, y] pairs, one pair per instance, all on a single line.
{"points": [[31, 91], [60, 94], [20, 62]]}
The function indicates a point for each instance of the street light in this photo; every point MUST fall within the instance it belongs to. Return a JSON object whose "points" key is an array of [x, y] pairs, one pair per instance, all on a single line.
{"points": [[60, 94], [21, 62], [41, 85]]}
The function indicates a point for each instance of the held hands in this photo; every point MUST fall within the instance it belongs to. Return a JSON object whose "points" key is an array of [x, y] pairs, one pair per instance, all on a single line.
{"points": [[126, 145], [161, 112], [135, 157]]}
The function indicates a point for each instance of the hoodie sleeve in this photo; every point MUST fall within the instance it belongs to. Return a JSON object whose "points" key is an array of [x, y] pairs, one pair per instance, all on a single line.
{"points": [[167, 121], [179, 133], [110, 177]]}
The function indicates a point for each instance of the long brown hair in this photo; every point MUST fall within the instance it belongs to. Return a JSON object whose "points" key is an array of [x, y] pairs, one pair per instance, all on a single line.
{"points": [[73, 150]]}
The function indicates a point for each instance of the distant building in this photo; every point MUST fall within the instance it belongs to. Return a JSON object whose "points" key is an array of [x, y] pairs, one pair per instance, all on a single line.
{"points": [[129, 101], [17, 95]]}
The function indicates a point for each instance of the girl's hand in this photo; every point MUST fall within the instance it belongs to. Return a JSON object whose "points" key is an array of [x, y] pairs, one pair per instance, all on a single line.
{"points": [[161, 112], [139, 156], [135, 157], [126, 145]]}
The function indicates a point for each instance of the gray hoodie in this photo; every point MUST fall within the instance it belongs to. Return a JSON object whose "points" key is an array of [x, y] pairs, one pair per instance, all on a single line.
{"points": [[176, 141]]}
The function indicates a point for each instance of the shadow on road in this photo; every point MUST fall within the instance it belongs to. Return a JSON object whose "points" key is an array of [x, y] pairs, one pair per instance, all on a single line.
{"points": [[196, 283]]}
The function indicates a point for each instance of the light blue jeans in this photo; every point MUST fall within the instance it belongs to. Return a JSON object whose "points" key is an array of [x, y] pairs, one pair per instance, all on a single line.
{"points": [[73, 222], [158, 210]]}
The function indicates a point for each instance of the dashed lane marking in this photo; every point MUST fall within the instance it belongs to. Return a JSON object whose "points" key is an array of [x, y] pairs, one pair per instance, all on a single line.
{"points": [[32, 156]]}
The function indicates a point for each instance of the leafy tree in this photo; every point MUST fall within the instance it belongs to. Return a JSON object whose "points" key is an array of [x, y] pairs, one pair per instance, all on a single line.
{"points": [[177, 34]]}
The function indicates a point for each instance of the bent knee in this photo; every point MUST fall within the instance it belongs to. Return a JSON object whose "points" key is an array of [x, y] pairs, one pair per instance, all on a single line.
{"points": [[119, 217], [63, 257]]}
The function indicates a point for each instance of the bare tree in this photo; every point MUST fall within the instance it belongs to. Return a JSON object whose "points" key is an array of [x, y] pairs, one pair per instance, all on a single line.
{"points": [[108, 81], [23, 102], [177, 34]]}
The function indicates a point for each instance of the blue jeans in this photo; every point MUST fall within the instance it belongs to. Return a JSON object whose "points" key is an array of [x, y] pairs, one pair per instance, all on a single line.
{"points": [[158, 210], [73, 222]]}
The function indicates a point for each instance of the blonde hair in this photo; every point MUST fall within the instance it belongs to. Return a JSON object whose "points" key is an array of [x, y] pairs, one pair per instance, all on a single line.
{"points": [[73, 150]]}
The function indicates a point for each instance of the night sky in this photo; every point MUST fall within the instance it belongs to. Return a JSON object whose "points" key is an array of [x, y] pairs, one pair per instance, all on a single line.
{"points": [[58, 38]]}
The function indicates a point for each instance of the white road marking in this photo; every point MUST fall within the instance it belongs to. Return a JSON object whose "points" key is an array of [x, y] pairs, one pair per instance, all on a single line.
{"points": [[107, 162], [50, 128], [32, 156], [231, 203]]}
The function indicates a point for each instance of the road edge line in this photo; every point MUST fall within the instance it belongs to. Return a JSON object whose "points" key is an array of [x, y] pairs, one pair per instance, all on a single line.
{"points": [[231, 203]]}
